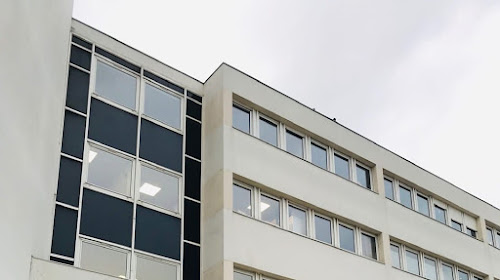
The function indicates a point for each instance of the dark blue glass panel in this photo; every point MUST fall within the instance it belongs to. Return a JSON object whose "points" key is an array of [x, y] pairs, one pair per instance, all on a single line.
{"points": [[81, 42], [192, 178], [73, 134], [164, 82], [194, 110], [64, 234], [78, 90], [191, 221], [194, 96], [118, 60], [193, 138], [68, 187], [80, 57], [161, 146], [191, 264]]}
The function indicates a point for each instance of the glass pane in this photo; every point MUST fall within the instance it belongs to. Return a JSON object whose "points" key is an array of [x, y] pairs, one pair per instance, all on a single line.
{"points": [[155, 270], [103, 260], [368, 246], [270, 210], [268, 132], [115, 85], [471, 232], [423, 205], [456, 225], [342, 166], [159, 189], [462, 275], [447, 272], [498, 240], [242, 200], [241, 276], [489, 234], [323, 229], [162, 106], [297, 220], [389, 191], [363, 176], [346, 238], [395, 258], [430, 269], [294, 144], [405, 197], [241, 119], [318, 156], [109, 171], [412, 263], [440, 214]]}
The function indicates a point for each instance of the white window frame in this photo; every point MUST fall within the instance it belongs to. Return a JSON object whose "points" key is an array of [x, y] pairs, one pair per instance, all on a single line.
{"points": [[400, 247], [349, 164], [291, 204], [461, 225], [250, 118], [355, 239], [313, 228], [154, 258], [424, 268], [304, 146], [404, 186], [463, 271], [419, 258], [355, 163], [434, 205], [394, 198], [252, 198], [488, 228], [258, 215], [259, 116], [245, 273], [441, 274], [417, 206], [361, 232], [319, 144]]}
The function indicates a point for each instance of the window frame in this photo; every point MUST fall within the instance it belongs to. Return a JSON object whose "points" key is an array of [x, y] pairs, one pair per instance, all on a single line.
{"points": [[258, 214], [313, 228], [424, 267], [298, 134], [400, 250], [250, 117], [306, 211], [393, 181], [434, 206], [252, 198], [259, 116], [355, 238], [461, 225], [361, 232], [463, 271], [152, 257], [419, 260], [327, 152], [453, 267], [417, 205], [349, 164], [412, 202], [357, 163]]}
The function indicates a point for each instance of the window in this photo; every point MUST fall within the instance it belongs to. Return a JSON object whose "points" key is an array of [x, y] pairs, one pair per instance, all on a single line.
{"points": [[162, 106], [423, 204], [297, 220], [342, 166], [456, 225], [153, 269], [159, 189], [109, 171], [268, 131], [242, 200], [323, 229], [472, 232], [116, 85], [368, 246], [489, 233], [269, 209], [395, 258], [498, 240], [294, 144], [440, 214], [363, 176], [463, 275], [430, 269], [242, 276], [412, 262], [405, 197], [346, 238], [389, 190], [318, 156], [241, 119], [106, 260], [447, 272]]}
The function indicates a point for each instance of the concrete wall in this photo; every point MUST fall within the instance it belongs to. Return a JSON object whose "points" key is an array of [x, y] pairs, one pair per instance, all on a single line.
{"points": [[33, 69]]}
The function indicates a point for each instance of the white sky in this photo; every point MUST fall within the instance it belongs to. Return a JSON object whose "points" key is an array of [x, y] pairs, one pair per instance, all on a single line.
{"points": [[419, 77]]}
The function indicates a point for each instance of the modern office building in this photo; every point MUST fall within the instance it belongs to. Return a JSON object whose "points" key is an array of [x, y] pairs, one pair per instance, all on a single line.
{"points": [[116, 165]]}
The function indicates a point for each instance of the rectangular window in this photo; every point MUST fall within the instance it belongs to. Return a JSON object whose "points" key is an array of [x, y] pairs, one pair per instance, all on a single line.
{"points": [[389, 190], [368, 246], [116, 85], [297, 220], [498, 240], [456, 225], [318, 156], [242, 200], [447, 272], [463, 275], [269, 209], [268, 131], [412, 263], [104, 260], [346, 238], [241, 119], [342, 166], [395, 257], [323, 229], [363, 176], [423, 204], [294, 144], [405, 197], [489, 233], [162, 106], [472, 232], [159, 188], [440, 214], [242, 276], [154, 269], [430, 269]]}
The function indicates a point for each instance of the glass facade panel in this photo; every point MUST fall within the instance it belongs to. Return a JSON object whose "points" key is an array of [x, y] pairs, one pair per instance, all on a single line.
{"points": [[440, 214], [346, 238], [242, 200], [269, 210], [412, 263], [342, 166], [116, 85], [104, 260], [405, 197], [389, 190], [294, 144], [109, 171], [423, 205], [323, 228], [297, 220], [318, 156], [395, 257], [430, 269], [368, 246], [268, 132], [241, 119], [159, 189], [162, 106]]}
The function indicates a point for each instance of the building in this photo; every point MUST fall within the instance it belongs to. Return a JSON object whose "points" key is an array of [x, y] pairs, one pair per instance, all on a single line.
{"points": [[120, 166]]}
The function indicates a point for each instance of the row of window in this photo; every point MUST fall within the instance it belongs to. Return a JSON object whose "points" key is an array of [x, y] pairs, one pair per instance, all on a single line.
{"points": [[493, 236], [300, 145], [419, 263], [426, 205], [250, 201]]}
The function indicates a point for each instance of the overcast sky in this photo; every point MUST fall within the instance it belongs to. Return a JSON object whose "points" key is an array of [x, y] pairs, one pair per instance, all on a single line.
{"points": [[419, 77]]}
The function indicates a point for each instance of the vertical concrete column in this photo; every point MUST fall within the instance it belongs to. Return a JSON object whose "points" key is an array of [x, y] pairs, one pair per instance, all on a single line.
{"points": [[481, 230], [378, 180]]}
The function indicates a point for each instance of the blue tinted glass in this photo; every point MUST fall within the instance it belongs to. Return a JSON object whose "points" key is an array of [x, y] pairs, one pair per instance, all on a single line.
{"points": [[447, 272], [241, 119], [294, 144], [423, 205], [395, 258], [342, 166], [318, 156], [346, 236], [440, 214], [268, 132], [363, 176], [389, 191], [412, 263], [405, 197], [462, 275], [191, 263], [323, 228]]}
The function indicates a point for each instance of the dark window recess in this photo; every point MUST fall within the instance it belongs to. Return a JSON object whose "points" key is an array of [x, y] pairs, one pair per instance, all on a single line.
{"points": [[73, 134], [158, 233], [61, 260], [106, 218], [194, 110], [68, 187], [118, 60], [193, 138], [64, 234], [191, 221], [191, 264], [161, 146], [78, 90], [81, 42], [194, 96], [112, 126], [192, 178], [164, 82], [80, 57]]}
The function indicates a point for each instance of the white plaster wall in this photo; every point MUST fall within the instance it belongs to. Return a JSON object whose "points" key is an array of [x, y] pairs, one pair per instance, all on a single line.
{"points": [[34, 40], [47, 270]]}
